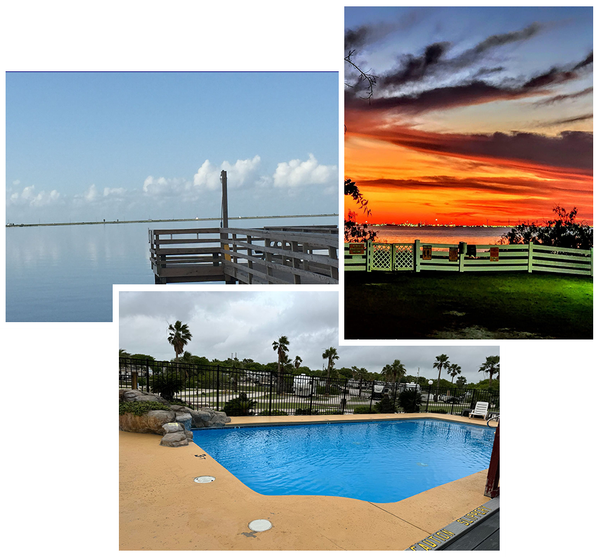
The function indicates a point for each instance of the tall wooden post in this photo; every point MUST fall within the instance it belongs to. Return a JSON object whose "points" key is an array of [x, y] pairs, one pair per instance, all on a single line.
{"points": [[224, 208], [225, 224], [492, 485]]}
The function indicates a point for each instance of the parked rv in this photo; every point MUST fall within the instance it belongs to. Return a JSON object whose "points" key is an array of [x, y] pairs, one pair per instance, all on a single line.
{"points": [[380, 390]]}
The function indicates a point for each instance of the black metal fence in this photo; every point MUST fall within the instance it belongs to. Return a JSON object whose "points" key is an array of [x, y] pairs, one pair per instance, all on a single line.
{"points": [[242, 392]]}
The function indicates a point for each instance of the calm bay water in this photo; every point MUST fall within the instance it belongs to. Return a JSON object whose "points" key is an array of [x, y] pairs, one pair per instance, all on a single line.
{"points": [[66, 273], [440, 234]]}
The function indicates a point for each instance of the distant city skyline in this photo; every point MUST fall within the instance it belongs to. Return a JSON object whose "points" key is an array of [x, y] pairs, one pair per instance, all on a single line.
{"points": [[477, 115]]}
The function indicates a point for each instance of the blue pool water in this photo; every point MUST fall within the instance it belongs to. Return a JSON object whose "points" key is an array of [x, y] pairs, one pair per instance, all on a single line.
{"points": [[380, 462]]}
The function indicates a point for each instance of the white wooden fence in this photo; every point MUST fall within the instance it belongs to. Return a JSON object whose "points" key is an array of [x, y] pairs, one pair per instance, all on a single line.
{"points": [[417, 256]]}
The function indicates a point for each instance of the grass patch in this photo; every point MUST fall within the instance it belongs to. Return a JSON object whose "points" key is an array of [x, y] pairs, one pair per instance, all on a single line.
{"points": [[467, 305]]}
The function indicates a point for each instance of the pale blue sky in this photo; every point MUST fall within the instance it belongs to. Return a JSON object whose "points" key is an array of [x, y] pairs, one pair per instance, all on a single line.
{"points": [[127, 145]]}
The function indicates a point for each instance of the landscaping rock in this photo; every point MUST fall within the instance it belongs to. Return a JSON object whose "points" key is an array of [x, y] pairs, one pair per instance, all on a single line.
{"points": [[207, 417], [172, 427], [175, 435], [129, 395], [152, 422], [178, 415], [178, 439]]}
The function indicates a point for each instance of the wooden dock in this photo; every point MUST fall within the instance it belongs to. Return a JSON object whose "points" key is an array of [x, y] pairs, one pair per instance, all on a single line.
{"points": [[270, 255]]}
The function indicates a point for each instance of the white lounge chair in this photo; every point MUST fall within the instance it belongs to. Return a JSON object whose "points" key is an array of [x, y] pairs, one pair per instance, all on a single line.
{"points": [[481, 409]]}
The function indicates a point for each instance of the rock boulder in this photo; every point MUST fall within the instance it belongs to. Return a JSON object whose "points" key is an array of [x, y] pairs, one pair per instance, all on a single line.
{"points": [[207, 417], [175, 435], [174, 424]]}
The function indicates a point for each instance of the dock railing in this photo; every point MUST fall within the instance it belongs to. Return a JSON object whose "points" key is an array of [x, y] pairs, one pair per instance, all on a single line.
{"points": [[463, 257], [271, 255], [186, 255]]}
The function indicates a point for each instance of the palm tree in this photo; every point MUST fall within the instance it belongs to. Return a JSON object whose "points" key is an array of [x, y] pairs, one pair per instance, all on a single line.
{"points": [[331, 356], [491, 366], [297, 362], [441, 362], [179, 336], [280, 346], [454, 370], [395, 371]]}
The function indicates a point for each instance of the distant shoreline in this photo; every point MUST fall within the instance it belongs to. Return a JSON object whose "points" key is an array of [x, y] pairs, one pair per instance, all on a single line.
{"points": [[12, 225], [441, 225]]}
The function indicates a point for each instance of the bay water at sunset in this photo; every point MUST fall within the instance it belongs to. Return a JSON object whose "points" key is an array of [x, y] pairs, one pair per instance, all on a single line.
{"points": [[440, 234]]}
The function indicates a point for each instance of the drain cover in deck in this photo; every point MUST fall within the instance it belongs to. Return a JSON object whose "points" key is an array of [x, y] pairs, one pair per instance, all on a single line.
{"points": [[204, 479], [260, 525]]}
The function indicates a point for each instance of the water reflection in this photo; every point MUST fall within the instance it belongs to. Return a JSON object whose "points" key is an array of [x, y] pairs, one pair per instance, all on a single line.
{"points": [[66, 273]]}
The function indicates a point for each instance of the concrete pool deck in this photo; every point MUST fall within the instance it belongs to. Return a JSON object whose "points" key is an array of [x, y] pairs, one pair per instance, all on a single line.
{"points": [[162, 508]]}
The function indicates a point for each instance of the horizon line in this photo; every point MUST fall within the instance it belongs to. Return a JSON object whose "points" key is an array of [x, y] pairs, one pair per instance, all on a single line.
{"points": [[20, 225]]}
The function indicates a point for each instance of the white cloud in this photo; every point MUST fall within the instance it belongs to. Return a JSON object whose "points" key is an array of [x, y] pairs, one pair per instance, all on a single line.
{"points": [[91, 194], [28, 196], [165, 186], [114, 192], [243, 172], [303, 173], [160, 196]]}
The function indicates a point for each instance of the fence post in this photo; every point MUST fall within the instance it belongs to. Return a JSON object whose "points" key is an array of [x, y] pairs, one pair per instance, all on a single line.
{"points": [[417, 256], [369, 255], [312, 387], [270, 393], [218, 385], [530, 258], [147, 377], [344, 396], [592, 262]]}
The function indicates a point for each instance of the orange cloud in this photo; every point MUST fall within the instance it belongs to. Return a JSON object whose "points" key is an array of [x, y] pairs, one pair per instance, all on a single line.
{"points": [[421, 184]]}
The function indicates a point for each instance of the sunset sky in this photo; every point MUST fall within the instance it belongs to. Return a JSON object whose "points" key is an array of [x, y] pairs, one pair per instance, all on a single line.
{"points": [[478, 115]]}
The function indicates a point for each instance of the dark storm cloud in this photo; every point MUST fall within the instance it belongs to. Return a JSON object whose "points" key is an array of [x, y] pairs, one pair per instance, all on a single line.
{"points": [[452, 96], [581, 118], [567, 97], [471, 92], [569, 150], [589, 60], [434, 64], [558, 75], [415, 68], [426, 183], [495, 41]]}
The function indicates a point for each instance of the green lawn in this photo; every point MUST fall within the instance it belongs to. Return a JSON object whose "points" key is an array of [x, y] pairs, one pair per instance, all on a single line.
{"points": [[467, 305]]}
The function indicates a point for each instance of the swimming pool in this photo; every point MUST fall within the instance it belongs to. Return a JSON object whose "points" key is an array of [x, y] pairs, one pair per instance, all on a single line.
{"points": [[380, 462]]}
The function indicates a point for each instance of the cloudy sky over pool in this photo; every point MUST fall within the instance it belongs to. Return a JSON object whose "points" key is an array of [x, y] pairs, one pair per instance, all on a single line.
{"points": [[132, 145], [226, 324], [478, 115]]}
